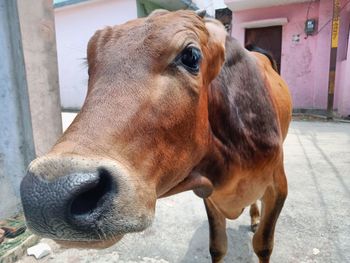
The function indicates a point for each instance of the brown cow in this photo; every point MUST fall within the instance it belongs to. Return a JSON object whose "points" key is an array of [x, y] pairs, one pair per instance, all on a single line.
{"points": [[159, 119]]}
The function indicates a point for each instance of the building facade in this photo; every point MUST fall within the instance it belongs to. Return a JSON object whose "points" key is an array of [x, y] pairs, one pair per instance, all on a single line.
{"points": [[277, 26], [304, 60]]}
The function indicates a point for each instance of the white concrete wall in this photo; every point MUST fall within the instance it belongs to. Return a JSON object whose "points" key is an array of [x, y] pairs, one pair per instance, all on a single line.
{"points": [[74, 26]]}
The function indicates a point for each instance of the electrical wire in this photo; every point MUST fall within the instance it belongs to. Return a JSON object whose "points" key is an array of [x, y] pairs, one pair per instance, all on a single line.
{"points": [[322, 27], [340, 10], [308, 9]]}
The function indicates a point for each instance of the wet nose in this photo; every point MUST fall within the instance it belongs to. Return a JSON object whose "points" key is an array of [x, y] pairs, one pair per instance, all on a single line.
{"points": [[69, 206]]}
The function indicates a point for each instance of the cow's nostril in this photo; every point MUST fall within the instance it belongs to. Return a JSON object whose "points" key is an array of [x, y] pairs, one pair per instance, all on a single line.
{"points": [[94, 196]]}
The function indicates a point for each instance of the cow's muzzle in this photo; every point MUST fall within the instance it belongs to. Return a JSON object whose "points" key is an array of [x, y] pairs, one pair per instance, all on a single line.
{"points": [[88, 205]]}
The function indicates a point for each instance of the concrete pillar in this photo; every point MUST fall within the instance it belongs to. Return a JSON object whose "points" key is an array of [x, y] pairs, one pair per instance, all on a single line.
{"points": [[16, 140], [39, 46]]}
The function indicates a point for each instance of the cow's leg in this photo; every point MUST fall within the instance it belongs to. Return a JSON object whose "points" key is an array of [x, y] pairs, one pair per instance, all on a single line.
{"points": [[272, 203], [217, 232], [254, 216]]}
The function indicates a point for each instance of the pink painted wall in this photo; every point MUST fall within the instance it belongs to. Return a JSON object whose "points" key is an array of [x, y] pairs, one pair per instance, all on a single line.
{"points": [[305, 65], [74, 26]]}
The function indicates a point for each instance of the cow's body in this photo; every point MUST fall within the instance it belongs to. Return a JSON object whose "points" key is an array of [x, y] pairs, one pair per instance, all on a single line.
{"points": [[250, 125], [175, 125], [254, 158]]}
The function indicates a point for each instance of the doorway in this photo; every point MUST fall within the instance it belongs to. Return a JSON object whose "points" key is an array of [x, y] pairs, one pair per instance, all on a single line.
{"points": [[267, 38]]}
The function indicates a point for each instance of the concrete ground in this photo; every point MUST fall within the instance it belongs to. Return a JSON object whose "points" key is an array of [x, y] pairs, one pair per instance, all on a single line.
{"points": [[314, 225]]}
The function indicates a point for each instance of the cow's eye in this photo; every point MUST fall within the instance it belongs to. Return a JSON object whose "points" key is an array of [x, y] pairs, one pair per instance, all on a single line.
{"points": [[190, 58]]}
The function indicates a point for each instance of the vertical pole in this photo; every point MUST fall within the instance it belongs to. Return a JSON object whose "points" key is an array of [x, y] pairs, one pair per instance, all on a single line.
{"points": [[37, 23], [333, 60], [16, 138]]}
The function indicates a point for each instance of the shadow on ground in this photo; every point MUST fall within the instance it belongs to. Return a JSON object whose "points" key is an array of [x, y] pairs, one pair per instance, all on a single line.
{"points": [[239, 246]]}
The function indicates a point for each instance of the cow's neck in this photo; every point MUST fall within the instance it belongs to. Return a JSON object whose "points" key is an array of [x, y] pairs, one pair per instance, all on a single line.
{"points": [[241, 115]]}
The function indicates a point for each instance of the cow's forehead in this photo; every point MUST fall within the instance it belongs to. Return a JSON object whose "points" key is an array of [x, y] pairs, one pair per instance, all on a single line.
{"points": [[159, 30], [150, 42]]}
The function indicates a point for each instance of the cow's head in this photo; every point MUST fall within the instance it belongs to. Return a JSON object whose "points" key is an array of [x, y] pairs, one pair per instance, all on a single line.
{"points": [[140, 134]]}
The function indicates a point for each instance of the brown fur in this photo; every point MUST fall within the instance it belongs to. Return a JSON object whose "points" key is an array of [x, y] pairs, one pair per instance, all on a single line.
{"points": [[219, 133]]}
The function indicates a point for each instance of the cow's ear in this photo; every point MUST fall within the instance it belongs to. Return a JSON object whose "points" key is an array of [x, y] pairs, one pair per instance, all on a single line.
{"points": [[158, 12], [216, 46]]}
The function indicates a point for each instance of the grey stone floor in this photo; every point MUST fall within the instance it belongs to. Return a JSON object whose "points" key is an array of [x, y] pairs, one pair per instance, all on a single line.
{"points": [[314, 225]]}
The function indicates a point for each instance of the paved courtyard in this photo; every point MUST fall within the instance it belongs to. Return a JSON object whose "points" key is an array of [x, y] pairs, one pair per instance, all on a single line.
{"points": [[314, 225]]}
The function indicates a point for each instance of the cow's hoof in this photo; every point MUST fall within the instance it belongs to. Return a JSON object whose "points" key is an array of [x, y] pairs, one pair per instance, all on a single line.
{"points": [[221, 260], [254, 227]]}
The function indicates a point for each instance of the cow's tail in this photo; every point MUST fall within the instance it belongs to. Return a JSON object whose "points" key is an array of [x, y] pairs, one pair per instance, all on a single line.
{"points": [[255, 48]]}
